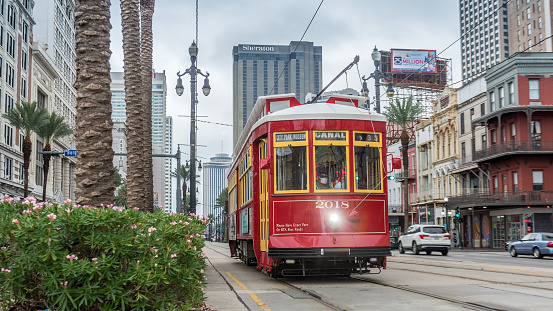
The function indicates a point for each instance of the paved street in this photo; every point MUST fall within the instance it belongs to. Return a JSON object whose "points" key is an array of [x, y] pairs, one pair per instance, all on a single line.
{"points": [[473, 280]]}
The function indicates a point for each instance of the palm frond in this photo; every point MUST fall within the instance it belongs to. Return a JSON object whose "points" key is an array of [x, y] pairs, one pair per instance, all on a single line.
{"points": [[403, 112]]}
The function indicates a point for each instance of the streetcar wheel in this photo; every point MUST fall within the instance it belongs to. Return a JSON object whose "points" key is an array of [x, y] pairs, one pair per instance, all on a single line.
{"points": [[400, 248], [444, 253], [428, 252], [415, 249], [513, 252], [537, 253]]}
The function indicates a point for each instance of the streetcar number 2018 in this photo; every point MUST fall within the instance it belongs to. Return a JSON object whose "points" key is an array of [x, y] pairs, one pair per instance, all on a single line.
{"points": [[332, 204]]}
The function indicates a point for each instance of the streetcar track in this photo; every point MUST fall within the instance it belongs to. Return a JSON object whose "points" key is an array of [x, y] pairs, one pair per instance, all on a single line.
{"points": [[464, 304]]}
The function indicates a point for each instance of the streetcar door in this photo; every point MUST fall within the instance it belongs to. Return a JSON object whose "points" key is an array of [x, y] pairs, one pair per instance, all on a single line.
{"points": [[263, 195]]}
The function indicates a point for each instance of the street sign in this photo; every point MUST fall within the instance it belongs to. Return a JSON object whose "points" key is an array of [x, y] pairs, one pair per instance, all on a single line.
{"points": [[70, 153]]}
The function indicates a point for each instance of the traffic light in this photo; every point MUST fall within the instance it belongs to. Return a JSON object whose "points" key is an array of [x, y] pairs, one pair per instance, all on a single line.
{"points": [[457, 212], [391, 177]]}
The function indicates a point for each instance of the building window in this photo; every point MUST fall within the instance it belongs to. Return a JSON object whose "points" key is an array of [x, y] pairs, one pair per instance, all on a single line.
{"points": [[535, 128], [482, 109], [10, 75], [539, 22], [484, 141], [537, 180], [494, 137], [518, 20], [8, 135], [515, 181], [24, 59], [518, 34], [539, 5], [528, 13], [25, 32], [513, 132], [8, 168], [529, 31], [41, 99], [492, 101], [462, 123], [10, 45], [534, 88], [530, 44], [501, 97], [11, 16], [8, 103], [511, 93], [463, 151], [495, 184]]}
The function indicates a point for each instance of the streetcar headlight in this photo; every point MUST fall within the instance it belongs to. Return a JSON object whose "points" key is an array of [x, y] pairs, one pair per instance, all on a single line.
{"points": [[333, 219]]}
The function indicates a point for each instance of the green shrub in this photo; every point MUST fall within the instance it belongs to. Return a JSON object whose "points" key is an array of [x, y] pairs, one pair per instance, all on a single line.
{"points": [[68, 257]]}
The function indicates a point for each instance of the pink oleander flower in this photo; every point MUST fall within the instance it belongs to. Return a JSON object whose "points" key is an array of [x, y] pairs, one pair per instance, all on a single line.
{"points": [[27, 211], [151, 229], [154, 249], [202, 271], [136, 208], [63, 283], [133, 226], [52, 216], [95, 260], [37, 207], [67, 201], [155, 265], [173, 223], [186, 223], [6, 270], [72, 257], [173, 255], [205, 277], [15, 221], [68, 210]]}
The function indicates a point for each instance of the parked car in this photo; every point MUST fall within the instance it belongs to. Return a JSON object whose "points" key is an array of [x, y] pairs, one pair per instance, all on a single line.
{"points": [[426, 238], [393, 242], [538, 244]]}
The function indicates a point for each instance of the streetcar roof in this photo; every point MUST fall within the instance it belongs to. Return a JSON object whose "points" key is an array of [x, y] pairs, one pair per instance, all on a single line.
{"points": [[315, 111]]}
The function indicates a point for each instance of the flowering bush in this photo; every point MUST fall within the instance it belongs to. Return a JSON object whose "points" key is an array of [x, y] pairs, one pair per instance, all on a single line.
{"points": [[71, 257]]}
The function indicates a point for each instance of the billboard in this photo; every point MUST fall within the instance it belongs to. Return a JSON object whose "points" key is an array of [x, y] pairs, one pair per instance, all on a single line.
{"points": [[413, 60]]}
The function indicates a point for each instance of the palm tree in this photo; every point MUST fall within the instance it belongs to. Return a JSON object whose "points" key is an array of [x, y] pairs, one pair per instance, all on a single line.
{"points": [[136, 117], [53, 128], [146, 43], [184, 173], [94, 173], [28, 118], [403, 113]]}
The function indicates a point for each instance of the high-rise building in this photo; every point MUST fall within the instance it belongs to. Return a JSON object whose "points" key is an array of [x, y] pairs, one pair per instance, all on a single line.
{"points": [[168, 204], [159, 127], [214, 181], [260, 70], [51, 59], [484, 35], [530, 25], [16, 25]]}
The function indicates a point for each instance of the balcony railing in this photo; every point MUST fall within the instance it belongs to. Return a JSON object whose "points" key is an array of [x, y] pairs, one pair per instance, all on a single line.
{"points": [[483, 196], [513, 147]]}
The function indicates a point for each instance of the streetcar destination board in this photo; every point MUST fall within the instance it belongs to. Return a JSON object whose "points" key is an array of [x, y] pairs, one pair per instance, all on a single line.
{"points": [[290, 137], [367, 137], [330, 136]]}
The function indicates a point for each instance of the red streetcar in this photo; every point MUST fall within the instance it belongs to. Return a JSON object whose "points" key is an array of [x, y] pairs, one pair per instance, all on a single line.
{"points": [[307, 190]]}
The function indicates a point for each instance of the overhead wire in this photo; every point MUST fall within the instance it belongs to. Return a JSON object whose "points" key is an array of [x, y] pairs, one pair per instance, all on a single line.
{"points": [[296, 48]]}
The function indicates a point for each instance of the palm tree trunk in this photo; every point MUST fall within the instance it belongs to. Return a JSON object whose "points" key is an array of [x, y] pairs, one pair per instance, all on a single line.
{"points": [[405, 184], [46, 167], [27, 149], [94, 180], [146, 42], [133, 99]]}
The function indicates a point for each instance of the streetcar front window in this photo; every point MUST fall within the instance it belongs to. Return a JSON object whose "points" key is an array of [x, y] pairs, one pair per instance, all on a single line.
{"points": [[291, 168], [331, 167], [367, 168]]}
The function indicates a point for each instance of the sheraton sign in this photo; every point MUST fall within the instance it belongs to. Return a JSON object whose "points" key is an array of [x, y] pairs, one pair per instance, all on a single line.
{"points": [[258, 48]]}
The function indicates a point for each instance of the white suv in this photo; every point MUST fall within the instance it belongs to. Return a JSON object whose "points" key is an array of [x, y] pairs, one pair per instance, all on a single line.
{"points": [[426, 238]]}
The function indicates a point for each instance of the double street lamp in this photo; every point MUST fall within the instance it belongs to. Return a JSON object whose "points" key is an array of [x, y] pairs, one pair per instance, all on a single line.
{"points": [[377, 75], [193, 72]]}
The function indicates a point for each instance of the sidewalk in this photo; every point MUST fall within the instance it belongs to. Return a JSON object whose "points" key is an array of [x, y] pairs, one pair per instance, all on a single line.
{"points": [[220, 295]]}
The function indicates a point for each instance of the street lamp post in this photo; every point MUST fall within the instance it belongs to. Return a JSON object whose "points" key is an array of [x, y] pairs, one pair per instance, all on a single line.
{"points": [[446, 213], [377, 75], [179, 185], [193, 72]]}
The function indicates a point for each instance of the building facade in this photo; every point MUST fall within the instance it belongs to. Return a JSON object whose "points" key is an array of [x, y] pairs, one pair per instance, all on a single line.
{"points": [[260, 70], [529, 25], [214, 181], [168, 204], [159, 128], [425, 199], [516, 156], [484, 35]]}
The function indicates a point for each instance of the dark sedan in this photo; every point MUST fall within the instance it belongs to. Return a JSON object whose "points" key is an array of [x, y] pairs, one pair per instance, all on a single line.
{"points": [[538, 244]]}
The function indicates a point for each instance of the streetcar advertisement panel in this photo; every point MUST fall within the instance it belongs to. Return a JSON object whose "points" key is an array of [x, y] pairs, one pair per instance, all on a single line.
{"points": [[330, 216]]}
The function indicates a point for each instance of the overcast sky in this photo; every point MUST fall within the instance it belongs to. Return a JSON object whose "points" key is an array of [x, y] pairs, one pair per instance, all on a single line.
{"points": [[344, 28]]}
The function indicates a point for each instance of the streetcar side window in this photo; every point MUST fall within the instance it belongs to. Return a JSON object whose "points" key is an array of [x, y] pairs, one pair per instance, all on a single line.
{"points": [[367, 149], [367, 168], [291, 165], [330, 160], [291, 168], [331, 167]]}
